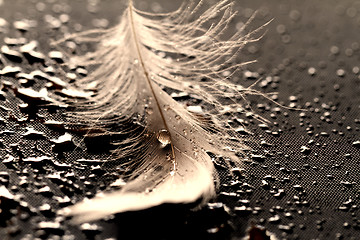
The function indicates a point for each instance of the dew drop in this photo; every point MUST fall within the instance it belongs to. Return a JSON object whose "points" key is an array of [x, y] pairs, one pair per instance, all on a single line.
{"points": [[33, 56], [274, 219], [24, 25], [3, 23], [312, 71], [66, 138], [163, 136], [281, 28], [57, 56], [51, 227], [195, 109], [167, 108], [81, 71], [10, 70], [340, 72], [335, 50], [149, 111], [11, 54], [356, 144], [295, 15], [90, 229]]}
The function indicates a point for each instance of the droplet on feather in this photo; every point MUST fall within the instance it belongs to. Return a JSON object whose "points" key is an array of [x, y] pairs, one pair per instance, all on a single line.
{"points": [[167, 108], [163, 137]]}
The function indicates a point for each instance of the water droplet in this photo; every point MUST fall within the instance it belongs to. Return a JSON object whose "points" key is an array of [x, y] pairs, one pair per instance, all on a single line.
{"points": [[305, 150], [286, 38], [330, 177], [55, 80], [285, 228], [239, 172], [24, 25], [243, 209], [81, 71], [347, 183], [180, 95], [356, 144], [47, 210], [163, 136], [4, 193], [346, 225], [250, 75], [63, 139], [45, 191], [76, 93], [11, 54], [340, 72], [274, 219], [149, 111], [10, 70], [167, 108], [195, 109], [32, 133], [51, 227], [295, 15], [90, 229], [281, 28], [259, 158], [3, 23], [57, 56], [312, 71]]}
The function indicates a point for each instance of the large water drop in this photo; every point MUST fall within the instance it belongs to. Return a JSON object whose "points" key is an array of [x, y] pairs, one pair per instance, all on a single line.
{"points": [[163, 136]]}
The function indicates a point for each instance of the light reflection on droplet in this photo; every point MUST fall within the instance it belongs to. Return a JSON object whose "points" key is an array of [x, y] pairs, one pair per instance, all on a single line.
{"points": [[163, 136]]}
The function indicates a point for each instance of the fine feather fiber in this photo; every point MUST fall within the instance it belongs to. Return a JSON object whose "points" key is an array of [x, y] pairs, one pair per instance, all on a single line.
{"points": [[134, 63]]}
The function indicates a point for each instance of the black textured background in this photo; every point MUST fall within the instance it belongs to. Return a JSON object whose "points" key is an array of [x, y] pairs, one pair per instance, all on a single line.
{"points": [[300, 181]]}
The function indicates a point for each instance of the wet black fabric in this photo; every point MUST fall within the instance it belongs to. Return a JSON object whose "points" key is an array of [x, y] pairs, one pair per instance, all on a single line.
{"points": [[299, 181]]}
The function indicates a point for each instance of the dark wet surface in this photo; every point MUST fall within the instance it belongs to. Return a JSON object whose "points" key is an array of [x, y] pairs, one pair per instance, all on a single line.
{"points": [[299, 181]]}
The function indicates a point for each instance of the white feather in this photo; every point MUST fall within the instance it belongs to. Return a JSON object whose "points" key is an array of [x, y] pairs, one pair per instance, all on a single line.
{"points": [[134, 61]]}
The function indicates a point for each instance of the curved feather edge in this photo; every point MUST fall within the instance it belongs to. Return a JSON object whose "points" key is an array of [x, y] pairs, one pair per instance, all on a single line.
{"points": [[198, 184], [135, 60]]}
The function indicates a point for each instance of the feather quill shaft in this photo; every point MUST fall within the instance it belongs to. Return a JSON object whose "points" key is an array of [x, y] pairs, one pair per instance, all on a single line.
{"points": [[148, 79], [136, 60]]}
